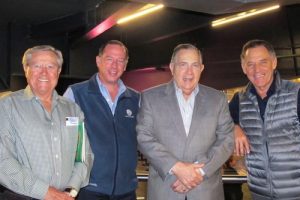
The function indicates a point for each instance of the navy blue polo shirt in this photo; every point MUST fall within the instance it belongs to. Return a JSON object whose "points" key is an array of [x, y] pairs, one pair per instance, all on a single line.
{"points": [[262, 103]]}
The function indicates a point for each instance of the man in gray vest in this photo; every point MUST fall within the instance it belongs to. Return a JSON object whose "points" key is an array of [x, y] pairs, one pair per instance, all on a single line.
{"points": [[267, 130]]}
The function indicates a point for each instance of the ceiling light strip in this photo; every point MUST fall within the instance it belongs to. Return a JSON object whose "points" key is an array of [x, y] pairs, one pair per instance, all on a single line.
{"points": [[139, 14], [242, 15]]}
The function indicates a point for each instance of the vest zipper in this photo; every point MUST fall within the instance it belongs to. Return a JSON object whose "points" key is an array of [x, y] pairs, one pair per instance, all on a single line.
{"points": [[266, 144], [268, 170], [117, 146], [117, 157]]}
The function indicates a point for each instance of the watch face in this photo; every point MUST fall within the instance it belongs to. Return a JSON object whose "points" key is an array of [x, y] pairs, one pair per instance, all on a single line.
{"points": [[73, 193]]}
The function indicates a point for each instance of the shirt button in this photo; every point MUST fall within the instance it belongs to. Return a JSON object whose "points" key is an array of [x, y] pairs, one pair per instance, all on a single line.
{"points": [[52, 123], [56, 156], [55, 138], [57, 174]]}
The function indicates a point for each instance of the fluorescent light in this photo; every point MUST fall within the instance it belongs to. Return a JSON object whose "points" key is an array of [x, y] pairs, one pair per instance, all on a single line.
{"points": [[242, 15], [100, 28], [140, 13]]}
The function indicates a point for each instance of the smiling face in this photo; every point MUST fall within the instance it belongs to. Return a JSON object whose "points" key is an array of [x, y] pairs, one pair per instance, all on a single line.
{"points": [[111, 64], [186, 69], [259, 65], [42, 71]]}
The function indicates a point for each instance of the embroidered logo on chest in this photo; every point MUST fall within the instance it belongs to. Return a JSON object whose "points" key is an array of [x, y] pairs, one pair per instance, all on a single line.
{"points": [[129, 113]]}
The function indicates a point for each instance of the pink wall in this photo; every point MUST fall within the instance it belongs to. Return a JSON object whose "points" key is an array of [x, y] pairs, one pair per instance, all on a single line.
{"points": [[142, 79]]}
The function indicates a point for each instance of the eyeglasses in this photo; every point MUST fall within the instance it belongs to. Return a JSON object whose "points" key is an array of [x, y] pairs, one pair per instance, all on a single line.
{"points": [[185, 65], [110, 60], [39, 67]]}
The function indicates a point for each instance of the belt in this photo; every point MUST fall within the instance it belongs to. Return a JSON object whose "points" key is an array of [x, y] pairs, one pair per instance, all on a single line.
{"points": [[108, 197], [10, 195], [116, 196]]}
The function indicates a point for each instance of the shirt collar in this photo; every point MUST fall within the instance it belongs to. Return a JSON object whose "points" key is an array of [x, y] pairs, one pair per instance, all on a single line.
{"points": [[270, 91], [28, 94], [102, 87], [179, 91]]}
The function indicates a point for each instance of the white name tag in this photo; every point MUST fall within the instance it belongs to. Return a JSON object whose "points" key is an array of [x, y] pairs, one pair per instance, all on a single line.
{"points": [[72, 121]]}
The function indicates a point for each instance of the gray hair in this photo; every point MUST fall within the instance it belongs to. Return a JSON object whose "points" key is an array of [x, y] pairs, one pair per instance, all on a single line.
{"points": [[257, 43], [185, 46], [28, 54]]}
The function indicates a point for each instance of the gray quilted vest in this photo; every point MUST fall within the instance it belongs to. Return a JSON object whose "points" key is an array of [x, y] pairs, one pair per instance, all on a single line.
{"points": [[274, 162]]}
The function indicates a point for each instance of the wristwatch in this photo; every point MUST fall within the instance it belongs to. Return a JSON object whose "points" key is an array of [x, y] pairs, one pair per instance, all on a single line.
{"points": [[72, 192]]}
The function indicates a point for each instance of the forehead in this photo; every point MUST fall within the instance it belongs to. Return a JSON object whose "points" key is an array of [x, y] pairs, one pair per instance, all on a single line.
{"points": [[114, 49], [188, 55], [43, 56], [257, 52]]}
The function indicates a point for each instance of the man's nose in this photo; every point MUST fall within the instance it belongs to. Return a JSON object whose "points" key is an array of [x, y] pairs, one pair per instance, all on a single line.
{"points": [[114, 63], [256, 68], [189, 69], [44, 69]]}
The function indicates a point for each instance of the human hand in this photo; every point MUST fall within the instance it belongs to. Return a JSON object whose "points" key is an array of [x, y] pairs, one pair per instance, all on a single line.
{"points": [[241, 142], [188, 174], [54, 194], [179, 187]]}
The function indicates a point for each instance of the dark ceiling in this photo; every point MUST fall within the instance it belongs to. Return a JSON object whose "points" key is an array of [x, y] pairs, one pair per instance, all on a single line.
{"points": [[64, 23], [45, 18], [41, 11]]}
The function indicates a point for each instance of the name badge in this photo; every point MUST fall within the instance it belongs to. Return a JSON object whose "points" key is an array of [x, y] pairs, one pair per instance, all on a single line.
{"points": [[72, 121]]}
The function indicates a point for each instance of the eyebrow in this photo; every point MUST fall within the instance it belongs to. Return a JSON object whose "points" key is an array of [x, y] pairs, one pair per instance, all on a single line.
{"points": [[107, 56]]}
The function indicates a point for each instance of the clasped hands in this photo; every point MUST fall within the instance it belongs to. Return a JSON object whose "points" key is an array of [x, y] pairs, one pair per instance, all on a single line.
{"points": [[188, 176], [55, 194]]}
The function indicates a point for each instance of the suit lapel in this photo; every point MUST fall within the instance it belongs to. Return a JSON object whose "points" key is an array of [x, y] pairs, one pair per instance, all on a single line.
{"points": [[199, 107], [173, 108]]}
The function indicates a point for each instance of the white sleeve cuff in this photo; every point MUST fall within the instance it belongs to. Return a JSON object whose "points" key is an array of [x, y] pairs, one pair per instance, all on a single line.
{"points": [[201, 172], [171, 171]]}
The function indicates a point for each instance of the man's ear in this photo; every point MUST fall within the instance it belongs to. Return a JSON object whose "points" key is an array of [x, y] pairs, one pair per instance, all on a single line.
{"points": [[25, 68], [172, 66], [59, 70], [274, 63], [202, 68], [243, 64], [125, 67], [98, 61]]}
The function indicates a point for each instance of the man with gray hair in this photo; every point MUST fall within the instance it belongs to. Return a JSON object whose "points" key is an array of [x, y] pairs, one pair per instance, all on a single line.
{"points": [[185, 131], [39, 135]]}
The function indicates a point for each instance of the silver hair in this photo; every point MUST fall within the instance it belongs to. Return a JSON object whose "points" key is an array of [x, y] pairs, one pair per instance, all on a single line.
{"points": [[28, 54], [185, 46]]}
